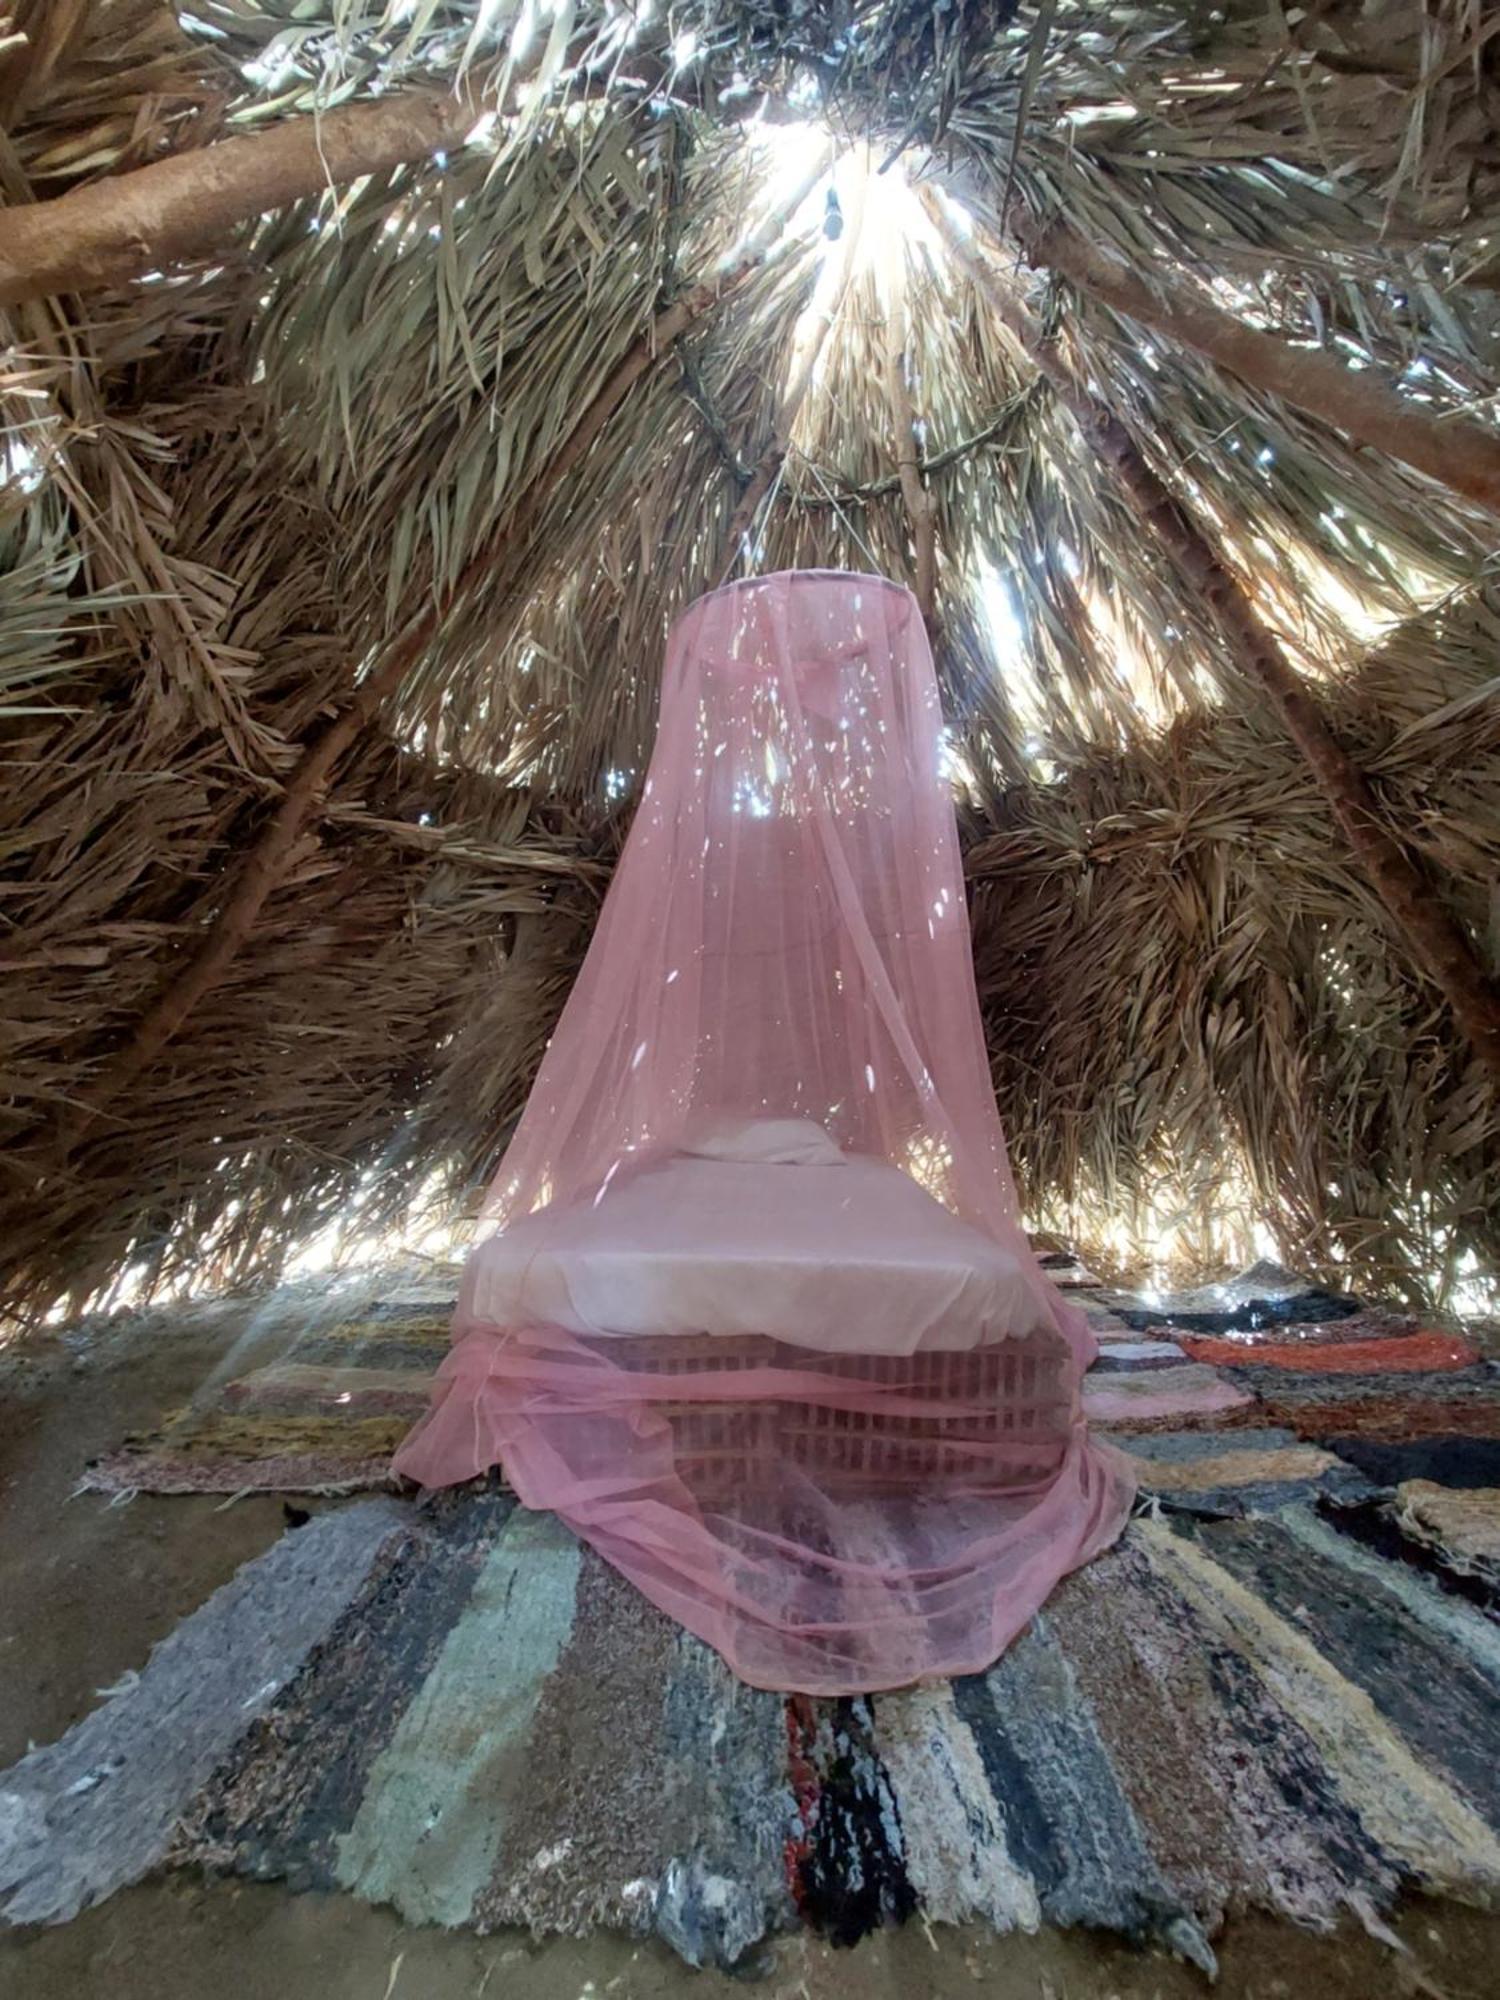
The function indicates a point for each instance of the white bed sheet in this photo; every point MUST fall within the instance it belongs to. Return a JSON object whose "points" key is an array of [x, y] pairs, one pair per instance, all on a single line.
{"points": [[847, 1257]]}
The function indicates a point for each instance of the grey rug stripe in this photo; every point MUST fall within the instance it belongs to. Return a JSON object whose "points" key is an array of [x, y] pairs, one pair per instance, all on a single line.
{"points": [[83, 1816]]}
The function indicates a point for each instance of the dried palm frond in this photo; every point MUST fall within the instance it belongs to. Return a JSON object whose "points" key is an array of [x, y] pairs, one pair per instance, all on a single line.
{"points": [[229, 484]]}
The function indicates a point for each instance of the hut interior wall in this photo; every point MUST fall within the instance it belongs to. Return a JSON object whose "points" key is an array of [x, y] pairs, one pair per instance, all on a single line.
{"points": [[231, 484]]}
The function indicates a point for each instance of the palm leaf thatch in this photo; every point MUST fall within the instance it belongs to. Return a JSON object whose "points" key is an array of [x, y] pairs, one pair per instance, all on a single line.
{"points": [[380, 379]]}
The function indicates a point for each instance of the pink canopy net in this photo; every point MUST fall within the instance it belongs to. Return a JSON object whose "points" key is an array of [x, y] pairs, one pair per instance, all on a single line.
{"points": [[757, 1317]]}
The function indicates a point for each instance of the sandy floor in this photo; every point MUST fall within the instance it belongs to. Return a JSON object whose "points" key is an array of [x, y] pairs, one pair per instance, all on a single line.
{"points": [[86, 1589]]}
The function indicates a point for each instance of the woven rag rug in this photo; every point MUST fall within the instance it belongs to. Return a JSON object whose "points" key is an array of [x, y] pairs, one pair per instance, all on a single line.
{"points": [[326, 1417], [1278, 1691], [451, 1708], [1262, 1384]]}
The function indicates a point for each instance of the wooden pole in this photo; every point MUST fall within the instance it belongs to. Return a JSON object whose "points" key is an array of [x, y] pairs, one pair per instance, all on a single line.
{"points": [[921, 510], [266, 860], [1459, 454], [114, 229], [774, 456], [1433, 939], [150, 217]]}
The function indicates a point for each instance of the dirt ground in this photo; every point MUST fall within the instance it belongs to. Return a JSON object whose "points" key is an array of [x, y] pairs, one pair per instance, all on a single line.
{"points": [[87, 1588]]}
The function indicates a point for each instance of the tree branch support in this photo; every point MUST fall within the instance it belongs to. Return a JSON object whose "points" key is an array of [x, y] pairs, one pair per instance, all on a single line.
{"points": [[1433, 939], [266, 860], [1459, 454]]}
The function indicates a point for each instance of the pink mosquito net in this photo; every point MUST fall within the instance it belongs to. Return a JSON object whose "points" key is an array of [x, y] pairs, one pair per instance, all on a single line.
{"points": [[757, 1317]]}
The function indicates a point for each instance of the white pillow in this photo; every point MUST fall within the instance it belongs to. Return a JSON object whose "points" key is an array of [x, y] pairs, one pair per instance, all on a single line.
{"points": [[768, 1142]]}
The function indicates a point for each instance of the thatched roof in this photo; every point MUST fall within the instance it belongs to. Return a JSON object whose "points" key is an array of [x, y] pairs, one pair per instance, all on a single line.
{"points": [[382, 376]]}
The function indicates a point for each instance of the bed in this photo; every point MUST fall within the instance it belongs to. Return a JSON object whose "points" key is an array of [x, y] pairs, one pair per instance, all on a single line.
{"points": [[846, 1255]]}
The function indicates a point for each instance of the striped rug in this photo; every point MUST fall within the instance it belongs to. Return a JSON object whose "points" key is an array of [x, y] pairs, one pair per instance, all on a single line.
{"points": [[325, 1418], [451, 1708], [1284, 1410]]}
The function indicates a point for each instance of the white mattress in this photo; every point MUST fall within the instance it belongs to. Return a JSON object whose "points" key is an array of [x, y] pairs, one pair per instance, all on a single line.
{"points": [[846, 1257]]}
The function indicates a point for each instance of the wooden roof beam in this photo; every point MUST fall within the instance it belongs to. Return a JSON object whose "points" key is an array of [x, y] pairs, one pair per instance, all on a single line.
{"points": [[1458, 453], [265, 861], [1433, 939]]}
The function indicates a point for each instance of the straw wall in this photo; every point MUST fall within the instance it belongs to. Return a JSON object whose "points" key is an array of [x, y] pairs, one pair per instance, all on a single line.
{"points": [[232, 485]]}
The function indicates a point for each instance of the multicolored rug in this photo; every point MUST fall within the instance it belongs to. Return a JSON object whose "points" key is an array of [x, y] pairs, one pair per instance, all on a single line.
{"points": [[324, 1419], [1282, 1393], [1279, 1690], [451, 1708]]}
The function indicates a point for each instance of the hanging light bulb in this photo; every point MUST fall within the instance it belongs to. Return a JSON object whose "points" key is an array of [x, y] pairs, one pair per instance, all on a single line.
{"points": [[833, 218]]}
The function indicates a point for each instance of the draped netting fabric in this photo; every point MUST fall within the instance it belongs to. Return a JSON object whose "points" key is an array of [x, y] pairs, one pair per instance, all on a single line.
{"points": [[756, 1315]]}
